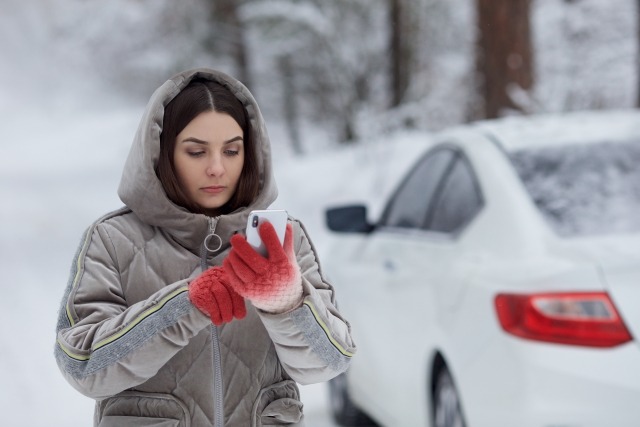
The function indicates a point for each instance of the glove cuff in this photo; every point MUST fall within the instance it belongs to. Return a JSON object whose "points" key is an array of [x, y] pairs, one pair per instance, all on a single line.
{"points": [[281, 302], [200, 295]]}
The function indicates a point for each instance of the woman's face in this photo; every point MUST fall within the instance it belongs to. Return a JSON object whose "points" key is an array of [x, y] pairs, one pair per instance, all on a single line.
{"points": [[208, 157]]}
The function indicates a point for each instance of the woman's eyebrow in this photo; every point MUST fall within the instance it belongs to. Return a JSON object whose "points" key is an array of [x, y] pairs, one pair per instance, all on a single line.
{"points": [[200, 141], [196, 140], [235, 138]]}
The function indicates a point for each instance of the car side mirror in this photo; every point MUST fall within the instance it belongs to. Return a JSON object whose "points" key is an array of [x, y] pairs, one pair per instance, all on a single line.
{"points": [[348, 219]]}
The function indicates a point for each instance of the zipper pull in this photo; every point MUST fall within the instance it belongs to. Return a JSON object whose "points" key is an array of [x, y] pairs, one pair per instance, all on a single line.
{"points": [[212, 242]]}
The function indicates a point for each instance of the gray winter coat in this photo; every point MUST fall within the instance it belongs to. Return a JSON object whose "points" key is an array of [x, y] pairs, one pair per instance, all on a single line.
{"points": [[129, 337]]}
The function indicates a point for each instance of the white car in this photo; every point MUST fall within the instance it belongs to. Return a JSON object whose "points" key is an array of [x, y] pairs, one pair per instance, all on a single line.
{"points": [[501, 285]]}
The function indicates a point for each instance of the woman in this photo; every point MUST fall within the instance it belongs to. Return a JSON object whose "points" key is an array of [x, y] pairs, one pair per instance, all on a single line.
{"points": [[169, 319]]}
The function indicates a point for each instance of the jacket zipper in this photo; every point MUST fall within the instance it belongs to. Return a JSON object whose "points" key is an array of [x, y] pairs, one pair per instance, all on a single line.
{"points": [[209, 245]]}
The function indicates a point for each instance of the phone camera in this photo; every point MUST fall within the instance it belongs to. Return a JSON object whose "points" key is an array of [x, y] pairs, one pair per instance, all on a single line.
{"points": [[254, 221]]}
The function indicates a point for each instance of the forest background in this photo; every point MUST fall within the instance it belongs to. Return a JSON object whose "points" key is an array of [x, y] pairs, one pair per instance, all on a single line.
{"points": [[355, 68]]}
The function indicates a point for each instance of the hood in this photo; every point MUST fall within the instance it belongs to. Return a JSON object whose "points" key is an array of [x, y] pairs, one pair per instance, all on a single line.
{"points": [[141, 190]]}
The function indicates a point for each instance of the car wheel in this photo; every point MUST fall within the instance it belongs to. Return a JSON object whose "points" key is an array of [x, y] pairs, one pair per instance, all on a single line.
{"points": [[344, 411], [447, 410]]}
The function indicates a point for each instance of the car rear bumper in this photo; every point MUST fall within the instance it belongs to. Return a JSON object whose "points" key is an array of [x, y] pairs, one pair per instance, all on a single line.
{"points": [[528, 384]]}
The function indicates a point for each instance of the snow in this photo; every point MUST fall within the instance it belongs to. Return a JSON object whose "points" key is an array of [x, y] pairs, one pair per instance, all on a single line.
{"points": [[586, 54], [304, 14]]}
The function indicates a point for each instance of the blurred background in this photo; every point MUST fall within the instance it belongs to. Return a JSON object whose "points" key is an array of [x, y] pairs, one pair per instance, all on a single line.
{"points": [[345, 86]]}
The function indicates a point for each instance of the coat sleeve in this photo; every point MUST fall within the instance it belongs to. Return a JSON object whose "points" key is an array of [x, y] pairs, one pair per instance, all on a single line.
{"points": [[104, 345], [313, 341]]}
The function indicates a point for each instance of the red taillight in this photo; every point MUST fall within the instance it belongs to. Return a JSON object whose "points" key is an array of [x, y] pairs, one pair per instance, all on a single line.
{"points": [[586, 319]]}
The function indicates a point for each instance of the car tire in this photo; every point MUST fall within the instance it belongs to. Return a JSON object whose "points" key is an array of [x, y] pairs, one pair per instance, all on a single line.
{"points": [[343, 410], [447, 409]]}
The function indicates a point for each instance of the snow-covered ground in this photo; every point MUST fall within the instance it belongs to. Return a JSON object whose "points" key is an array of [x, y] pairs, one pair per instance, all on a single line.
{"points": [[60, 166]]}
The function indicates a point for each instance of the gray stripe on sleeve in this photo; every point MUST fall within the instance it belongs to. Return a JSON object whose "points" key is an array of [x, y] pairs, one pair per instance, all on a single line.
{"points": [[132, 340], [317, 339]]}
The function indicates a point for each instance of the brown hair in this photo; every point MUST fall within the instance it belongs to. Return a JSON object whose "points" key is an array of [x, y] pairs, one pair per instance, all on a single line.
{"points": [[197, 97]]}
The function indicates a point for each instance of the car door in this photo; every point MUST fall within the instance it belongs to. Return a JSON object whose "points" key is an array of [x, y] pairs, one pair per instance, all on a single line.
{"points": [[458, 202], [409, 259], [387, 265]]}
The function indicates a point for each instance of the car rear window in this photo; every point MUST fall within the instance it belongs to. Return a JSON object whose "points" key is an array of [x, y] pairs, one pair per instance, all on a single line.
{"points": [[584, 189]]}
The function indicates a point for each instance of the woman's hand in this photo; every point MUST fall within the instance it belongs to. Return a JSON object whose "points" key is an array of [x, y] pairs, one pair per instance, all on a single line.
{"points": [[272, 284], [211, 293]]}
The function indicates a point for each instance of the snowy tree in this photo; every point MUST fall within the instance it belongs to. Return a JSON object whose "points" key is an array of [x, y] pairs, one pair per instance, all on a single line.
{"points": [[227, 36], [335, 51], [135, 46], [586, 54], [438, 68], [329, 64]]}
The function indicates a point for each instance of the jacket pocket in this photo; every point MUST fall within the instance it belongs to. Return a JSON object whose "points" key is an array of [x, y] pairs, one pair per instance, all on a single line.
{"points": [[143, 410], [277, 405]]}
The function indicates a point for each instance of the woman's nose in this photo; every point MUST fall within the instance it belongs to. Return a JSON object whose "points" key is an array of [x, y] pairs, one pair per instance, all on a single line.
{"points": [[215, 166]]}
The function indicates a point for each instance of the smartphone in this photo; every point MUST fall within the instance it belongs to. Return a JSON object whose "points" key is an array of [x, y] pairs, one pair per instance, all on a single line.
{"points": [[277, 218]]}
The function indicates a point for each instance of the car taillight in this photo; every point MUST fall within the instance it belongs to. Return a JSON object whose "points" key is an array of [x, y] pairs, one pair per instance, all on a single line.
{"points": [[586, 318]]}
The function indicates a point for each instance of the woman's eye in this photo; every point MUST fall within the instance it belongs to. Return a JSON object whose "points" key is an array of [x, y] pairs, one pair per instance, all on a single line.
{"points": [[195, 153], [232, 152]]}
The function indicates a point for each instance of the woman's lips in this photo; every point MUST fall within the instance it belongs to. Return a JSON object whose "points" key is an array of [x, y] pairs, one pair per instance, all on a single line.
{"points": [[215, 189]]}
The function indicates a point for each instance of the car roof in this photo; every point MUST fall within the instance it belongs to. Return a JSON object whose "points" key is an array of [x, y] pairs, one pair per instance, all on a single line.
{"points": [[528, 132]]}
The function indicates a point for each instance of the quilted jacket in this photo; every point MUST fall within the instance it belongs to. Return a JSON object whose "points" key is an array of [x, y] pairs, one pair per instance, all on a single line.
{"points": [[128, 336]]}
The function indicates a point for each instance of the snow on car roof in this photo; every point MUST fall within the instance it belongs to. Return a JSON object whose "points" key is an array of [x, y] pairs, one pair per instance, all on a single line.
{"points": [[522, 132]]}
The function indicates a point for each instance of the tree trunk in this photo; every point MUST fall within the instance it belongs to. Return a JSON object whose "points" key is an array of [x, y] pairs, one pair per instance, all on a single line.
{"points": [[225, 17], [401, 49], [290, 101], [504, 53]]}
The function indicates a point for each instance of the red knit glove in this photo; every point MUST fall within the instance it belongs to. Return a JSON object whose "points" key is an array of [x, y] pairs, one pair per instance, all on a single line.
{"points": [[272, 284], [211, 293]]}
